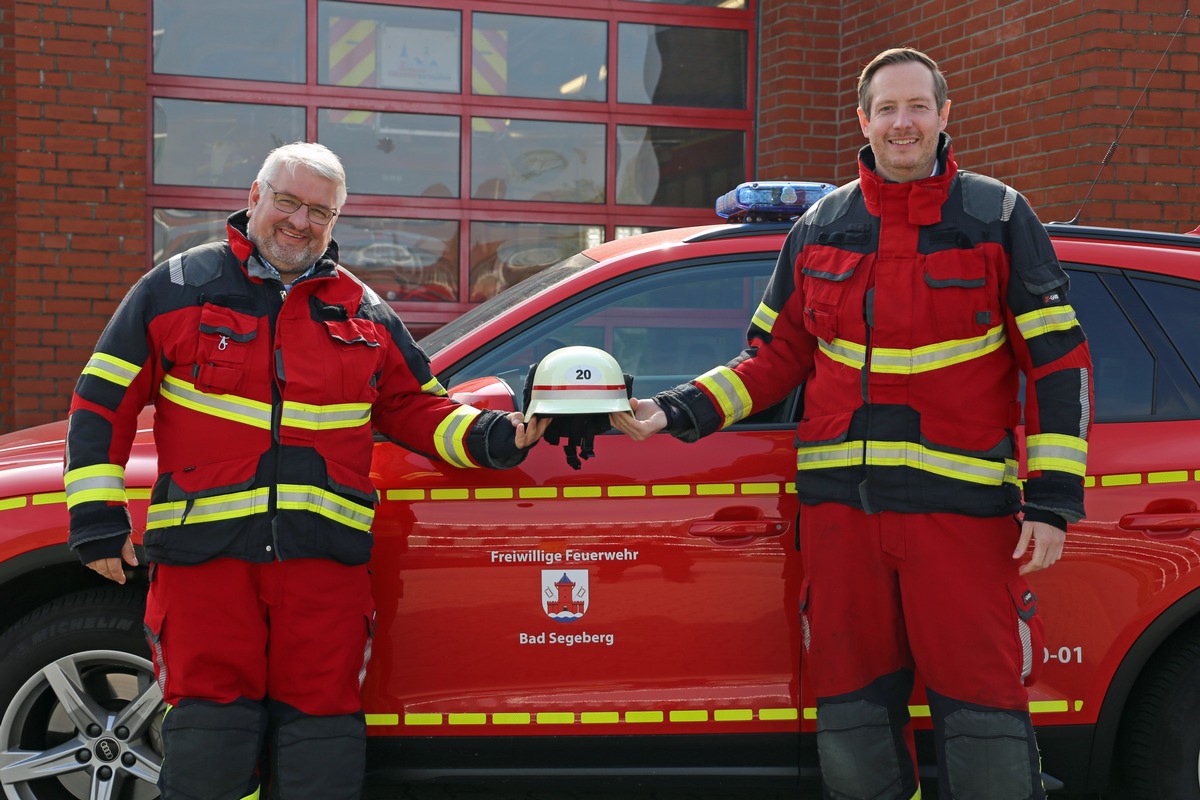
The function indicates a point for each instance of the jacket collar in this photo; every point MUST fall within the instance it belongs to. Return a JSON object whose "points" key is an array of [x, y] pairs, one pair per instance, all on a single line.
{"points": [[925, 196], [239, 242]]}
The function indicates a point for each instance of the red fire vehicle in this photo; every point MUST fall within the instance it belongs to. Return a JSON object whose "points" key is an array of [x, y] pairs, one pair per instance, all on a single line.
{"points": [[637, 618]]}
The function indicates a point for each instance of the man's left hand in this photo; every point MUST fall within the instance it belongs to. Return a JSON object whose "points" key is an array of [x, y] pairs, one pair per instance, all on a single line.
{"points": [[1047, 545], [528, 433]]}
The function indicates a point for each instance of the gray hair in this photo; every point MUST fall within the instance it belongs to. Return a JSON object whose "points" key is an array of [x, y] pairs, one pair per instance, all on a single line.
{"points": [[900, 55], [317, 158]]}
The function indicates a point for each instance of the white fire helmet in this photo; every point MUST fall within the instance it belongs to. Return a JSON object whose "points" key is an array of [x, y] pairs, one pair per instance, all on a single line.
{"points": [[576, 380]]}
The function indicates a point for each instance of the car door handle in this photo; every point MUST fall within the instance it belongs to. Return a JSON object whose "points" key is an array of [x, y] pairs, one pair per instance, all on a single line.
{"points": [[1167, 518], [738, 528]]}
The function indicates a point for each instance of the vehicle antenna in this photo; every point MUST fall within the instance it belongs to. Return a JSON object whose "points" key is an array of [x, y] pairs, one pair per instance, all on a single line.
{"points": [[1112, 147]]}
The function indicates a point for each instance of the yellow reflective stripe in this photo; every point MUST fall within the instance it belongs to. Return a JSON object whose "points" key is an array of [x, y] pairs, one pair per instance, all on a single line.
{"points": [[730, 393], [764, 317], [450, 438], [907, 454], [208, 509], [1045, 320], [95, 483], [225, 406], [686, 716], [432, 386], [844, 352], [296, 497], [896, 361], [319, 418], [111, 368], [1057, 451]]}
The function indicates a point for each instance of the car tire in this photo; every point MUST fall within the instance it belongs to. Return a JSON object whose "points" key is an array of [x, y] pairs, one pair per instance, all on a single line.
{"points": [[1159, 748], [82, 712]]}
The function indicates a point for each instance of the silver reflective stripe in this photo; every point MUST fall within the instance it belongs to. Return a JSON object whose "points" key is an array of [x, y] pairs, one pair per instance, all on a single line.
{"points": [[297, 497], [208, 509], [100, 482], [729, 392], [844, 352], [1045, 320], [317, 418], [450, 436], [1026, 649], [764, 317], [936, 356], [907, 454], [112, 369], [1057, 452], [225, 406]]}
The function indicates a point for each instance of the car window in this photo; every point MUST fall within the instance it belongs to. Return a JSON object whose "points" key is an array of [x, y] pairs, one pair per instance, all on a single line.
{"points": [[664, 327], [1142, 334]]}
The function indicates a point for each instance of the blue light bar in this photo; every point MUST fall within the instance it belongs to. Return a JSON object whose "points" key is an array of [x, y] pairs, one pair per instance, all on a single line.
{"points": [[769, 201]]}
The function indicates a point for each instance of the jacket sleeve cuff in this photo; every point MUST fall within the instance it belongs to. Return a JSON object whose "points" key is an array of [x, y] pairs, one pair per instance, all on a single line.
{"points": [[493, 441], [690, 414], [1054, 493], [98, 549], [1039, 515]]}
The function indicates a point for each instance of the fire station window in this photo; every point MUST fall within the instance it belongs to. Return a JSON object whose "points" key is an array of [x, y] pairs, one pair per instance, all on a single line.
{"points": [[225, 39], [684, 167], [403, 260], [389, 47], [675, 66], [414, 155], [731, 4], [505, 253], [556, 162], [556, 59], [178, 229], [218, 144]]}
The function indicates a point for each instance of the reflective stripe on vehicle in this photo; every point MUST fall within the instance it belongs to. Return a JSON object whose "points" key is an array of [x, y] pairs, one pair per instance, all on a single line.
{"points": [[1057, 451], [112, 369], [225, 406], [331, 417], [451, 436], [297, 497], [730, 393], [1046, 320], [907, 454], [579, 492], [95, 483], [208, 509]]}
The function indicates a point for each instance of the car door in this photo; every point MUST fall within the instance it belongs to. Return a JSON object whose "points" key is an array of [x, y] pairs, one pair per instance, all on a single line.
{"points": [[650, 591]]}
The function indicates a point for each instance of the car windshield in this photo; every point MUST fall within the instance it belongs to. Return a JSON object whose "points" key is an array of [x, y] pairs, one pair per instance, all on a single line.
{"points": [[489, 310]]}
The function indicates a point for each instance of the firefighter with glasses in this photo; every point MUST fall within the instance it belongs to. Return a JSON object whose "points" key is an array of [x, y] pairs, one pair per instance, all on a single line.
{"points": [[268, 366]]}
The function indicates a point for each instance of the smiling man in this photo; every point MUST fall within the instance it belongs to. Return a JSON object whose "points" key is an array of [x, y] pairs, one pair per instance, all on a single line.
{"points": [[268, 365], [907, 304]]}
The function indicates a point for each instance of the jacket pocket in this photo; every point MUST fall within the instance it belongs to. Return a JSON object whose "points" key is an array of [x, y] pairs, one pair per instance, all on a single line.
{"points": [[827, 273], [1028, 628], [225, 349], [962, 293], [357, 354]]}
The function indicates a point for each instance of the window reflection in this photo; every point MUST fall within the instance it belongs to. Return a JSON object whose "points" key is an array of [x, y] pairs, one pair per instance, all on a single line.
{"points": [[730, 4], [505, 253], [414, 155], [558, 59], [218, 144], [180, 229], [667, 65], [513, 159], [389, 47], [402, 259], [688, 167], [225, 39]]}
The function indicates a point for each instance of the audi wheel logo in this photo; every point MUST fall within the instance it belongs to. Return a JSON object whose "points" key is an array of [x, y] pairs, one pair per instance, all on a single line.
{"points": [[107, 750]]}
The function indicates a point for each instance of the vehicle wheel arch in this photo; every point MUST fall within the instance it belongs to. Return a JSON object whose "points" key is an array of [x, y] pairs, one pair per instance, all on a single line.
{"points": [[1180, 620], [32, 579]]}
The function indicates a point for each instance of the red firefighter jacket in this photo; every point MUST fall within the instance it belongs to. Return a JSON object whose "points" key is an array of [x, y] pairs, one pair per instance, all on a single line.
{"points": [[264, 404], [908, 311]]}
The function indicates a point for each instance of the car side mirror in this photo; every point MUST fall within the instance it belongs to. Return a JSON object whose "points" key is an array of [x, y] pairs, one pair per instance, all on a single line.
{"points": [[490, 393]]}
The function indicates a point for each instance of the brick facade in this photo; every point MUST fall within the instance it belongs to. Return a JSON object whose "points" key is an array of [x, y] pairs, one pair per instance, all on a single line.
{"points": [[1039, 90]]}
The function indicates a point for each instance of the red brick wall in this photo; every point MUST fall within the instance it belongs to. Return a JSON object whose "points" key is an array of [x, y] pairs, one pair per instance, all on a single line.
{"points": [[77, 190], [1038, 93], [1039, 89]]}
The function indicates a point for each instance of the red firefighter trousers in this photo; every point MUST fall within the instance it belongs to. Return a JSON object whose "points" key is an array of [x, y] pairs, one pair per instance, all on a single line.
{"points": [[295, 631]]}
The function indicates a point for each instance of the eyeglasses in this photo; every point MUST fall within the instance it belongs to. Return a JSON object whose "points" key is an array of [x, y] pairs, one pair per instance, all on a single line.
{"points": [[290, 205]]}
